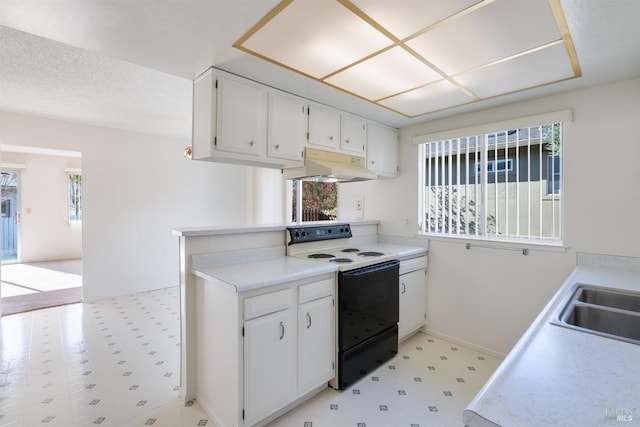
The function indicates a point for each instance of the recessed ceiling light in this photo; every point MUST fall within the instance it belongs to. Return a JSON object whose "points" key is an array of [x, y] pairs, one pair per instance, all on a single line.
{"points": [[419, 56]]}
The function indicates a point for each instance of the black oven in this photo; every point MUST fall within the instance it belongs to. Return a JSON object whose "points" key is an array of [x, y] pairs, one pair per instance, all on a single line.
{"points": [[367, 319]]}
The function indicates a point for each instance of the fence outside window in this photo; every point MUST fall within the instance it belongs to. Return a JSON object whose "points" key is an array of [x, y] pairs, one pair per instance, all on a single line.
{"points": [[497, 185]]}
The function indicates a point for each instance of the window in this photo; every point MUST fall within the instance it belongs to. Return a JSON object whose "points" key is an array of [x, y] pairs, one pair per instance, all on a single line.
{"points": [[496, 166], [75, 197], [318, 201], [494, 185]]}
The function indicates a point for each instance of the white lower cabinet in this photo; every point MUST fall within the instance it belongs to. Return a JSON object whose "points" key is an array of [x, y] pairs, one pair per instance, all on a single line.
{"points": [[316, 339], [413, 293], [269, 364], [260, 352]]}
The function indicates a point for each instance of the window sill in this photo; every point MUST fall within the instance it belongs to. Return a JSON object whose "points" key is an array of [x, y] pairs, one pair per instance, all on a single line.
{"points": [[499, 244]]}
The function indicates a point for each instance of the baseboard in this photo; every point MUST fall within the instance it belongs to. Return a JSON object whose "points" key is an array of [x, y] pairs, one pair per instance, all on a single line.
{"points": [[464, 343]]}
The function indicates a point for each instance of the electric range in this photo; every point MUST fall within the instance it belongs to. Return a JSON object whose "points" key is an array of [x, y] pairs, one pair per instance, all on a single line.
{"points": [[367, 293], [330, 243]]}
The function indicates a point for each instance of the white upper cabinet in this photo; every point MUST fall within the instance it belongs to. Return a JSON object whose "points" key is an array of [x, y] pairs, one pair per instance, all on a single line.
{"points": [[354, 135], [324, 127], [236, 120], [239, 121], [382, 150], [287, 130], [242, 118]]}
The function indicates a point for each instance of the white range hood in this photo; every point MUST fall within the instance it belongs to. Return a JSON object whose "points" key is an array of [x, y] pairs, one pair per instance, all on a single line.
{"points": [[329, 166]]}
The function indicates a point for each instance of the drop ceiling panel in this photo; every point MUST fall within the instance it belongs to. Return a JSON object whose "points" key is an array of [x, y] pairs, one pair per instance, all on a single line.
{"points": [[407, 17], [316, 38], [537, 68], [433, 97], [391, 72], [490, 33]]}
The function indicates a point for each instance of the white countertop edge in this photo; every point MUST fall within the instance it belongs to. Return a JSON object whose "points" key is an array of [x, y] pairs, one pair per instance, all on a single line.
{"points": [[218, 230], [242, 229]]}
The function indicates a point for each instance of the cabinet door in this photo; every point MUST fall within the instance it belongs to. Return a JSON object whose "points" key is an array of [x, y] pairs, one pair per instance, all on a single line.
{"points": [[241, 114], [382, 150], [354, 135], [287, 128], [269, 364], [324, 127], [316, 343], [413, 291]]}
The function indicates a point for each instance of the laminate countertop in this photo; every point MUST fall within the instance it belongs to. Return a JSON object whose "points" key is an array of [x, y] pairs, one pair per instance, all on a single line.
{"points": [[556, 376], [253, 269]]}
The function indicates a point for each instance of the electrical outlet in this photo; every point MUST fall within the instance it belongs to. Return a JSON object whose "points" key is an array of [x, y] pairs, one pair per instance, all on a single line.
{"points": [[358, 205]]}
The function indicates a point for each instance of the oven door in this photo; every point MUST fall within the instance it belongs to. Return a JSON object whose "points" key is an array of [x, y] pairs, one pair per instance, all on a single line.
{"points": [[367, 302]]}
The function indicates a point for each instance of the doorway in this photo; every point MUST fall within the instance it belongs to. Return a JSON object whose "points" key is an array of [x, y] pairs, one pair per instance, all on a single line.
{"points": [[10, 215], [41, 228]]}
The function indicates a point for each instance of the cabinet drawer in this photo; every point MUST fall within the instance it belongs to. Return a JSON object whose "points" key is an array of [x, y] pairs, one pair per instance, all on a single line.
{"points": [[315, 290], [266, 304], [413, 264]]}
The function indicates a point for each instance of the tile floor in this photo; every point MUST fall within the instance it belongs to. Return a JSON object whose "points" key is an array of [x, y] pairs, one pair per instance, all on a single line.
{"points": [[116, 363]]}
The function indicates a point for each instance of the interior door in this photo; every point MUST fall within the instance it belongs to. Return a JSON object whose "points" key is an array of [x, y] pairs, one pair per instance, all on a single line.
{"points": [[10, 184]]}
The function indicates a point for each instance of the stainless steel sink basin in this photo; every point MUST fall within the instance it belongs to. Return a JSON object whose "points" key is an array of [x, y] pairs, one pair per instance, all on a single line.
{"points": [[610, 298], [606, 312]]}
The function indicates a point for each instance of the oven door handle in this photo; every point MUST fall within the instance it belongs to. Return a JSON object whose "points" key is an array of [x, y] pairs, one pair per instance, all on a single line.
{"points": [[371, 269]]}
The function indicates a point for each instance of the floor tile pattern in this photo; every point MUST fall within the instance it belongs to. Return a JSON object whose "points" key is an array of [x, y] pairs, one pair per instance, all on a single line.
{"points": [[111, 363], [428, 383], [116, 363]]}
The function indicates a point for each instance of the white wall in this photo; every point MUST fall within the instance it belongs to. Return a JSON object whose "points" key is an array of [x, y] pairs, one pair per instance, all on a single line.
{"points": [[137, 188], [46, 233], [488, 297]]}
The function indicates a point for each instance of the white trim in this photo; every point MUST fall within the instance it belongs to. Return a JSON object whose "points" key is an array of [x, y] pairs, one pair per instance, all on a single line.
{"points": [[40, 150], [14, 166], [521, 122], [74, 171]]}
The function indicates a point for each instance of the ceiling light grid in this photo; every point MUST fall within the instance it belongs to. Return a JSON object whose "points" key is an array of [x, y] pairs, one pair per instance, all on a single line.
{"points": [[419, 56]]}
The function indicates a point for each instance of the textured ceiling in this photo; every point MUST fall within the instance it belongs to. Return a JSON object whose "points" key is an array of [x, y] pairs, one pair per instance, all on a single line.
{"points": [[129, 64]]}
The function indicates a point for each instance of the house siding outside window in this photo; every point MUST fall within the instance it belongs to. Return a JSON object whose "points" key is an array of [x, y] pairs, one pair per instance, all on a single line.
{"points": [[502, 185]]}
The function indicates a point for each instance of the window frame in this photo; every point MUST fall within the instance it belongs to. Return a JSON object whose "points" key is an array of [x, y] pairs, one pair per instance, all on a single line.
{"points": [[71, 220], [297, 210], [481, 169]]}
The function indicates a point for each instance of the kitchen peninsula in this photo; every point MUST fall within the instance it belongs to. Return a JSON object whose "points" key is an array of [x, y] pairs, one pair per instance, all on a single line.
{"points": [[238, 282]]}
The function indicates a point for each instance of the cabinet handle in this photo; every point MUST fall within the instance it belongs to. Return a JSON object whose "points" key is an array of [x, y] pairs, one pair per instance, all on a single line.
{"points": [[373, 162], [251, 143], [330, 137], [347, 140], [404, 288], [281, 330], [277, 146], [308, 320]]}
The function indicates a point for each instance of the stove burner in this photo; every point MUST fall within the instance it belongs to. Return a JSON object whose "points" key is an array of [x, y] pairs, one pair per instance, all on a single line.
{"points": [[341, 260], [351, 250], [321, 256], [370, 254]]}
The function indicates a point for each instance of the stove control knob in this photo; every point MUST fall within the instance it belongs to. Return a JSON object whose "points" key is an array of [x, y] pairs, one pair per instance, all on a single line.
{"points": [[304, 233], [297, 234]]}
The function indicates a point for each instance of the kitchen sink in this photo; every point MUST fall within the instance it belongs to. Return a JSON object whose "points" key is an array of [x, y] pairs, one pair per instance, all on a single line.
{"points": [[610, 298], [606, 312]]}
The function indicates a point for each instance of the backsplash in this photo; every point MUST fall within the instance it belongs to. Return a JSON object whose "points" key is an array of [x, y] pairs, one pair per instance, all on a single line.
{"points": [[609, 261]]}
